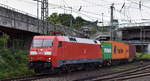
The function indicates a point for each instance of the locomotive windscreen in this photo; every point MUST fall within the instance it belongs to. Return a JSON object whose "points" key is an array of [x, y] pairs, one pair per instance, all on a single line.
{"points": [[42, 42]]}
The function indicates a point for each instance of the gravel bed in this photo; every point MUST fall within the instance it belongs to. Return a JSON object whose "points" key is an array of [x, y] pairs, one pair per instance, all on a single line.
{"points": [[145, 78], [84, 74]]}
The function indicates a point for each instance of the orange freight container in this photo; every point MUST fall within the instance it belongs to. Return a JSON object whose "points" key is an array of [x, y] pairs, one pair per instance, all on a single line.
{"points": [[119, 50]]}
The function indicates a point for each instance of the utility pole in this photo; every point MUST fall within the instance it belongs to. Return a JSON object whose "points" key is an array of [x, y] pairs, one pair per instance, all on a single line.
{"points": [[102, 19], [111, 22], [102, 22], [44, 10], [71, 19], [38, 15], [44, 14]]}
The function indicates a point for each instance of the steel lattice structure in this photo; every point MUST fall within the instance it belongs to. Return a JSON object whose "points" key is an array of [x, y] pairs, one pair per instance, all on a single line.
{"points": [[44, 14], [44, 10]]}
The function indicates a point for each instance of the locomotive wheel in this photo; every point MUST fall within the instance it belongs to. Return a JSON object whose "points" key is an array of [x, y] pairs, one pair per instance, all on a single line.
{"points": [[38, 70]]}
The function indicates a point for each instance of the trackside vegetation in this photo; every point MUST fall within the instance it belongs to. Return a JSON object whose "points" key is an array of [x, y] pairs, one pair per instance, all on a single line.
{"points": [[143, 56], [13, 62]]}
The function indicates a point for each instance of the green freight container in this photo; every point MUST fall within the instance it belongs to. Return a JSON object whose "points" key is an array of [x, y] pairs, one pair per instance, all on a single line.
{"points": [[106, 50]]}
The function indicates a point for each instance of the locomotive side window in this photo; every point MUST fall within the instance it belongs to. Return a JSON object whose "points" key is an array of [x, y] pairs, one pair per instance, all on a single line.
{"points": [[42, 42], [59, 44], [95, 42], [72, 39]]}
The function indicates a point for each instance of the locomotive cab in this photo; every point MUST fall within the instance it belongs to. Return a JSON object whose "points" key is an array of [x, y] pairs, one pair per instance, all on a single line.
{"points": [[41, 52]]}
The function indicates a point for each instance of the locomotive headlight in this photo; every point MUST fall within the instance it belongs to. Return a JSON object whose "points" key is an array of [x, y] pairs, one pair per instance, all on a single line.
{"points": [[33, 52], [48, 53], [49, 58]]}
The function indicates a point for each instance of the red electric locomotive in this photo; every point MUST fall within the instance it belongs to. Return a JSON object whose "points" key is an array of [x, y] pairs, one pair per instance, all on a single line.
{"points": [[53, 52]]}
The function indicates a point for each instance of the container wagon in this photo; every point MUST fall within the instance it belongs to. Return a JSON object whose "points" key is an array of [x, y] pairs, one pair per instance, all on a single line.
{"points": [[117, 52]]}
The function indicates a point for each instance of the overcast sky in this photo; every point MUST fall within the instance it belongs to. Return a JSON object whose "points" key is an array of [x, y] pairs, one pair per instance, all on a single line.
{"points": [[91, 9]]}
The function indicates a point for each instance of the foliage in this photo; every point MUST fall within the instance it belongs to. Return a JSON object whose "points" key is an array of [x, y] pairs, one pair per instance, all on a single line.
{"points": [[54, 18], [3, 40], [67, 19], [79, 21], [143, 56], [93, 31], [12, 62]]}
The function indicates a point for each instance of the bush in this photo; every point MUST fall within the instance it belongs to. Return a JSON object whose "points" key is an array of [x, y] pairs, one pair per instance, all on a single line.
{"points": [[13, 63], [143, 56]]}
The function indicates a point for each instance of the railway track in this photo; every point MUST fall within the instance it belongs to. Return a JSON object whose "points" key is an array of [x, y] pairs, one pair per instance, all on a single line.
{"points": [[140, 71], [121, 77], [28, 78], [75, 75], [131, 76], [24, 78]]}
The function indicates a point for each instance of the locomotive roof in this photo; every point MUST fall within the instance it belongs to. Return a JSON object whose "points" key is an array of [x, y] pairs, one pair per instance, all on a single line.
{"points": [[69, 39], [79, 40]]}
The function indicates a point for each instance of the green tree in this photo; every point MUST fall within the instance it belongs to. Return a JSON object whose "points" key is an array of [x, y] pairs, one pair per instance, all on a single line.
{"points": [[79, 22], [54, 18], [68, 20], [3, 40]]}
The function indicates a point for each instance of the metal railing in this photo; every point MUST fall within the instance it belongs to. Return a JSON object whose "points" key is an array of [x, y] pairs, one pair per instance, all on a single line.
{"points": [[122, 25], [134, 24]]}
